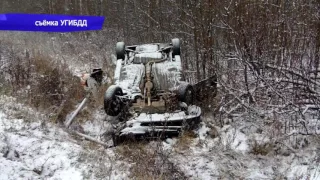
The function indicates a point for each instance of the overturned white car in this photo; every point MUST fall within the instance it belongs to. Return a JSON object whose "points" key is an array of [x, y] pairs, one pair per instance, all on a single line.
{"points": [[150, 96]]}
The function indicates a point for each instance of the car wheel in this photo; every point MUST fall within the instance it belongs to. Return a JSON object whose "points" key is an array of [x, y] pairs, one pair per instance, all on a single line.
{"points": [[176, 46], [112, 103], [186, 93], [120, 50]]}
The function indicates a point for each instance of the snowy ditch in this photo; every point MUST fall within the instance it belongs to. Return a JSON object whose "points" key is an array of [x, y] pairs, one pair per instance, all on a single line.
{"points": [[31, 148]]}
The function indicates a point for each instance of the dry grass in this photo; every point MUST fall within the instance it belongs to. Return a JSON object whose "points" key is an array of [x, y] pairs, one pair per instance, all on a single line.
{"points": [[141, 158], [261, 148], [184, 141], [44, 84], [148, 162], [102, 164]]}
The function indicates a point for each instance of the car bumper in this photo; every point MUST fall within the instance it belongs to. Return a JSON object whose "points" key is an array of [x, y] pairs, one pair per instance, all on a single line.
{"points": [[169, 123]]}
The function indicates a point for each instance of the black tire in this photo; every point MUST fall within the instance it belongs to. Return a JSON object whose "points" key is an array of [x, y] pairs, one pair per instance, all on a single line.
{"points": [[186, 93], [97, 74], [112, 103], [176, 43], [120, 50]]}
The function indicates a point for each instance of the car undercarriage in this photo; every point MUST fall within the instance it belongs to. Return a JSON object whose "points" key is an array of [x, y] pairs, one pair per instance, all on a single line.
{"points": [[150, 96]]}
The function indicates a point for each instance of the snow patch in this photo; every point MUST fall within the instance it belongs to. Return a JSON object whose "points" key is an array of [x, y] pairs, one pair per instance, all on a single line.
{"points": [[234, 139], [202, 131], [36, 150]]}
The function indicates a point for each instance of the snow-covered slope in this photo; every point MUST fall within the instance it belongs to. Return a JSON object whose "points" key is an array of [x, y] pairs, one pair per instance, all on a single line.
{"points": [[32, 148], [228, 156]]}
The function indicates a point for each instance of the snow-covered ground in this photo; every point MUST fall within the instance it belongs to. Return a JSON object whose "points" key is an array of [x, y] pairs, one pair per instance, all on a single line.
{"points": [[33, 148], [227, 156]]}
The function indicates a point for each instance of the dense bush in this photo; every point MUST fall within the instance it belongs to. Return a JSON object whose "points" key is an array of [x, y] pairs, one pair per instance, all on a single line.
{"points": [[40, 81]]}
